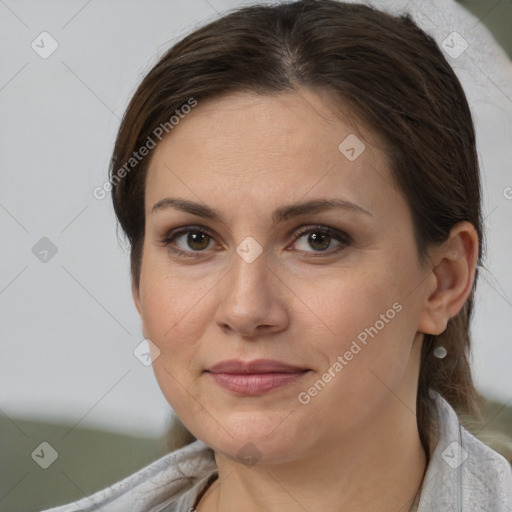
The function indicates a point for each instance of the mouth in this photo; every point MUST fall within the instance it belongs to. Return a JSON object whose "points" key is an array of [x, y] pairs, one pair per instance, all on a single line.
{"points": [[254, 377], [255, 383]]}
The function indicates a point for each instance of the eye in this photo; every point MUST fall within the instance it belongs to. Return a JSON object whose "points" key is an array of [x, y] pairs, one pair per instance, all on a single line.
{"points": [[321, 239], [188, 240]]}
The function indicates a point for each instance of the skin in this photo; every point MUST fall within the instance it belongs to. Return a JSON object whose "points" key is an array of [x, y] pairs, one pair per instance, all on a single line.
{"points": [[355, 445]]}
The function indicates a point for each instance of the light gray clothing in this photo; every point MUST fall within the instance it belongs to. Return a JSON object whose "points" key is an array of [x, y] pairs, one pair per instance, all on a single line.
{"points": [[464, 475]]}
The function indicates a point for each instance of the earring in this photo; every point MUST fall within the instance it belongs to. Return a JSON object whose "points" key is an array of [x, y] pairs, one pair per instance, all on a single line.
{"points": [[440, 352]]}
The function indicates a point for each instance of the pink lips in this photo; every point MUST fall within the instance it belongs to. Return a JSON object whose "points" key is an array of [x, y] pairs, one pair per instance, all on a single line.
{"points": [[254, 377]]}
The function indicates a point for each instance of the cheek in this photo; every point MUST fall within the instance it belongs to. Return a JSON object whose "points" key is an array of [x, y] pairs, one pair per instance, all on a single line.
{"points": [[368, 326], [347, 301], [366, 359], [172, 305], [173, 317]]}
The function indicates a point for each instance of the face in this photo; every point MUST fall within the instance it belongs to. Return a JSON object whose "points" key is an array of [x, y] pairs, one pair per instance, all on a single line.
{"points": [[335, 290]]}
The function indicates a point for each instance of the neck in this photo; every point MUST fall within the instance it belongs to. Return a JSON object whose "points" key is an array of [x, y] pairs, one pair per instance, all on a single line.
{"points": [[379, 467]]}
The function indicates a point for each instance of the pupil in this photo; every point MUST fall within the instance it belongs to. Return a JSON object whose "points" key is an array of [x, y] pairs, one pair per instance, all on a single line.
{"points": [[196, 240], [316, 238]]}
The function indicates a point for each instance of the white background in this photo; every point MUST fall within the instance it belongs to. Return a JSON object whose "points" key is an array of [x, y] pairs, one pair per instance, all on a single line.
{"points": [[68, 327]]}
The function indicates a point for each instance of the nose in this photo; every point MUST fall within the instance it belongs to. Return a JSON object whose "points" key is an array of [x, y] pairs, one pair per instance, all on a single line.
{"points": [[251, 300]]}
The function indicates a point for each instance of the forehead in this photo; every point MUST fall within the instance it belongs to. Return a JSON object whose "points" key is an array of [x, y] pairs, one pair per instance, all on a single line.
{"points": [[252, 148], [303, 122]]}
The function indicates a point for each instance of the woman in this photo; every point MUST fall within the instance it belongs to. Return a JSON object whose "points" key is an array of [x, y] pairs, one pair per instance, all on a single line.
{"points": [[300, 188]]}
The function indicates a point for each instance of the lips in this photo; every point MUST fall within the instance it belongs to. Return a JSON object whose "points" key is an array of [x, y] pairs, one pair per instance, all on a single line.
{"points": [[254, 377], [258, 366]]}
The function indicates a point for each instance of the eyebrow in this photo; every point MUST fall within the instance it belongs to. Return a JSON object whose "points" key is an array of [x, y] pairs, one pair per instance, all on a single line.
{"points": [[279, 215]]}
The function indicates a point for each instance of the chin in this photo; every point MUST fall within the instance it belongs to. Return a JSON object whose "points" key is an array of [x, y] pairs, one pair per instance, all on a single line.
{"points": [[254, 446]]}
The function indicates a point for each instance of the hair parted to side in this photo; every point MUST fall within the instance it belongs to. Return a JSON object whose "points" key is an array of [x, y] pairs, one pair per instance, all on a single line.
{"points": [[381, 68]]}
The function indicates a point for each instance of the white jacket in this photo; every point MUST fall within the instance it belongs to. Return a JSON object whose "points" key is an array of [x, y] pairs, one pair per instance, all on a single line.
{"points": [[464, 475]]}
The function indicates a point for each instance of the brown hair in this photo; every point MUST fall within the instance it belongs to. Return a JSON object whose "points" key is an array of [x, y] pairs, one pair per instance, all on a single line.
{"points": [[392, 77]]}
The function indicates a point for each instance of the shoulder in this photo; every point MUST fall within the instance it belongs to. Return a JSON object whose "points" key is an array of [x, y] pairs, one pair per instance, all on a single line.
{"points": [[162, 482], [486, 473], [464, 473]]}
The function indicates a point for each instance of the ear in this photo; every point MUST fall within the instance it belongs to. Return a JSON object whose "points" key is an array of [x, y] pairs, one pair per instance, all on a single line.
{"points": [[454, 270]]}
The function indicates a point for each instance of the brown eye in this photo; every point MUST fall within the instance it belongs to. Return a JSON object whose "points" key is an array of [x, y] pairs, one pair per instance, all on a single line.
{"points": [[188, 241], [197, 240], [322, 240], [319, 241]]}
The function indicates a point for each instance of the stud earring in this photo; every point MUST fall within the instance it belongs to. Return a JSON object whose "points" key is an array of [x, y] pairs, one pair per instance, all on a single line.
{"points": [[440, 352]]}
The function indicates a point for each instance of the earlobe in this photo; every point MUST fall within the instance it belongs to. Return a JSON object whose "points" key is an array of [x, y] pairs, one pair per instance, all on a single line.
{"points": [[454, 273]]}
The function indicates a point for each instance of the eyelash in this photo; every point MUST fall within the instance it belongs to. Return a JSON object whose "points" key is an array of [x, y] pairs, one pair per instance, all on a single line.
{"points": [[344, 239]]}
